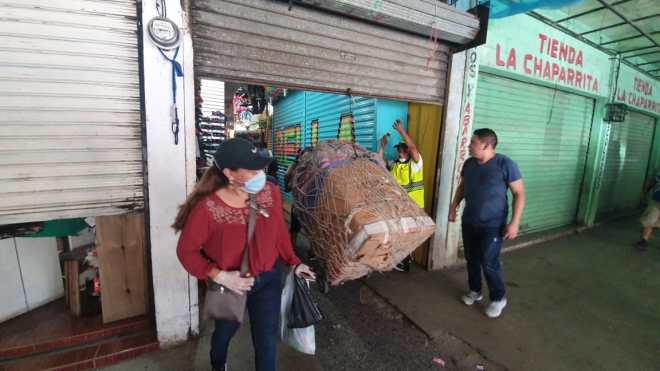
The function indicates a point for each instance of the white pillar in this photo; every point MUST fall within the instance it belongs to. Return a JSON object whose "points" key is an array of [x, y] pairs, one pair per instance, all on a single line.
{"points": [[461, 95], [171, 171]]}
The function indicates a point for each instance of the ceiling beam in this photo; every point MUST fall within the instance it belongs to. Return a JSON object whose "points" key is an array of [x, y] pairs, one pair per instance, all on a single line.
{"points": [[619, 24], [642, 54], [594, 10], [633, 25], [585, 40], [636, 49], [644, 64], [627, 38]]}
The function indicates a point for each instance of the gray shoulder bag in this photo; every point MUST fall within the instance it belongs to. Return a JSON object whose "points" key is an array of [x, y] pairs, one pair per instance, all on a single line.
{"points": [[224, 304]]}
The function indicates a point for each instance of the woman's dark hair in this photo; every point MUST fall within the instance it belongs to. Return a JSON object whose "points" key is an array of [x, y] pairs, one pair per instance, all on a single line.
{"points": [[487, 136], [212, 180]]}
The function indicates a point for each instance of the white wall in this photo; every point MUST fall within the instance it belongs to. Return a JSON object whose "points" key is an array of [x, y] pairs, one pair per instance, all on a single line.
{"points": [[40, 269], [459, 115], [440, 255], [12, 295], [31, 275], [171, 171]]}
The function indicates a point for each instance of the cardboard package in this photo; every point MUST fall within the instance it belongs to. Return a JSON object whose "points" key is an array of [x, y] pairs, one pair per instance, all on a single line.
{"points": [[361, 220]]}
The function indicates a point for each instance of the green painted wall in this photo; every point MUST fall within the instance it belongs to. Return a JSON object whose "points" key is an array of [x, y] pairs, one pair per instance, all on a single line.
{"points": [[654, 162], [638, 91], [529, 51], [526, 48], [593, 168], [626, 165]]}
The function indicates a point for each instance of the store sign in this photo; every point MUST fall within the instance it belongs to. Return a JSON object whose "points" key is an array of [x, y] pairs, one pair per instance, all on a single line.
{"points": [[524, 46], [637, 90], [467, 114]]}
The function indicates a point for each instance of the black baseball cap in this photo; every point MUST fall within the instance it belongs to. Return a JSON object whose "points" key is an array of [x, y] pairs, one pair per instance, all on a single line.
{"points": [[237, 153]]}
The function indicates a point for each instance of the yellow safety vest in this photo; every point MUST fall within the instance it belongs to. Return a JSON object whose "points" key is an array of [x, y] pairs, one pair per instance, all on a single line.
{"points": [[412, 181]]}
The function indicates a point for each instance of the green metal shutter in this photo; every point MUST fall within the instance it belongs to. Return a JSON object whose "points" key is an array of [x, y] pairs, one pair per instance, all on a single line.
{"points": [[546, 132], [626, 164]]}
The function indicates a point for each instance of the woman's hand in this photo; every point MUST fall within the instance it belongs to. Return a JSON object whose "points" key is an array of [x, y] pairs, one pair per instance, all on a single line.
{"points": [[303, 271], [234, 282]]}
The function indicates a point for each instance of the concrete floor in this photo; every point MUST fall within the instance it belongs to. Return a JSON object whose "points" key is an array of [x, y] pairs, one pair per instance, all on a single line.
{"points": [[360, 332], [585, 302], [194, 355]]}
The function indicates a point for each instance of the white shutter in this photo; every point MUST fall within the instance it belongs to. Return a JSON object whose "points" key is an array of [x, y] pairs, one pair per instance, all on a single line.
{"points": [[70, 124], [213, 93]]}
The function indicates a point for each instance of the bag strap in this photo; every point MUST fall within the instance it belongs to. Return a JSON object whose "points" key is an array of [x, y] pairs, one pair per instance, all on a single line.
{"points": [[252, 221]]}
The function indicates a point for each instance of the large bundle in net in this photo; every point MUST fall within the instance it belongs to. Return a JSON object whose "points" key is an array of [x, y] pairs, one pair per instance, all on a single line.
{"points": [[357, 217]]}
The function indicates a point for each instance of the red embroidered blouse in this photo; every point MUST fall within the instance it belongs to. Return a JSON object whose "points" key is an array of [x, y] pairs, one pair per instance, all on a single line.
{"points": [[220, 230]]}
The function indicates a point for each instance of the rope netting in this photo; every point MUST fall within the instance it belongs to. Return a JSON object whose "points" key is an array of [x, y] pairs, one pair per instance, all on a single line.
{"points": [[357, 217]]}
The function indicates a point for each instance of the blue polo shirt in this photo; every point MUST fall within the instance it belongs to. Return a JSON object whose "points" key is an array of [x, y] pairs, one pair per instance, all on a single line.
{"points": [[485, 188]]}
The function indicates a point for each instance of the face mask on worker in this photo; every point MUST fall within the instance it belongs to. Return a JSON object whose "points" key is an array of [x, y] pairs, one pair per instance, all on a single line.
{"points": [[256, 183]]}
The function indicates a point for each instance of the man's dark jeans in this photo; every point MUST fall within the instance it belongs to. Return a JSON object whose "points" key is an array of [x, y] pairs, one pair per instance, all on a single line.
{"points": [[263, 305], [482, 251]]}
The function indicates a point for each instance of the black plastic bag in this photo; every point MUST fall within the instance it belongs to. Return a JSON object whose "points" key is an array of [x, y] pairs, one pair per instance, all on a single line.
{"points": [[304, 311]]}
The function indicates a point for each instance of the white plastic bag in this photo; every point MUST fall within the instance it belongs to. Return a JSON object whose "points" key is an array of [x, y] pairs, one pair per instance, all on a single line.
{"points": [[300, 339]]}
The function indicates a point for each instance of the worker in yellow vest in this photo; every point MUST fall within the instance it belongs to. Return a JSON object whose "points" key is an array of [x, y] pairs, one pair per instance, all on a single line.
{"points": [[408, 170]]}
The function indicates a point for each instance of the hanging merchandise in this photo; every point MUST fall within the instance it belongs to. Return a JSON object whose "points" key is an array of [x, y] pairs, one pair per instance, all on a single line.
{"points": [[257, 99], [165, 34], [210, 131]]}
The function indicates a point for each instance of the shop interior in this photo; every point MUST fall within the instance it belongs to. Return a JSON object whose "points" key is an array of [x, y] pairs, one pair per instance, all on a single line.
{"points": [[284, 120], [76, 285]]}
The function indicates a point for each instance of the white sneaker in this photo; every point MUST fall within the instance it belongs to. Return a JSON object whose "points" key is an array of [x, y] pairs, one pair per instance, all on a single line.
{"points": [[471, 297], [495, 308]]}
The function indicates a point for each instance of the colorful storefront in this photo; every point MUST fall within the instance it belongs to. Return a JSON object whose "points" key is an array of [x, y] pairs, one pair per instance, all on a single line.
{"points": [[301, 119]]}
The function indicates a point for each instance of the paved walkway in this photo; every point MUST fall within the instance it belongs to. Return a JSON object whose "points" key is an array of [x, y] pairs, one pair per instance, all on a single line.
{"points": [[194, 355], [585, 302]]}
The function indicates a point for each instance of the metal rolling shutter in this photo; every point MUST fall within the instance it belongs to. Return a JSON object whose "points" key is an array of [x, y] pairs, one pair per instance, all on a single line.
{"points": [[288, 128], [262, 42], [546, 132], [627, 160], [70, 124], [327, 109], [213, 94], [303, 116]]}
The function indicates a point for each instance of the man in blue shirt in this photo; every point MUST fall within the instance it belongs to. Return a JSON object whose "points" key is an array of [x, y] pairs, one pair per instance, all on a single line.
{"points": [[651, 217], [486, 178]]}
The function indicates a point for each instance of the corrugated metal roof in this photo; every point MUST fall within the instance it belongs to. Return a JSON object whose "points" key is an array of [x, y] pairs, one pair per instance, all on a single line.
{"points": [[630, 28]]}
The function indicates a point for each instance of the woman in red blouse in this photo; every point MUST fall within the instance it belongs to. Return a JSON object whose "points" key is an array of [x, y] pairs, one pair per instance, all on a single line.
{"points": [[213, 225]]}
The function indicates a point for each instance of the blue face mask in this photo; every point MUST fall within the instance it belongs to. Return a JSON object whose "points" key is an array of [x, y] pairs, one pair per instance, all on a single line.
{"points": [[256, 183]]}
